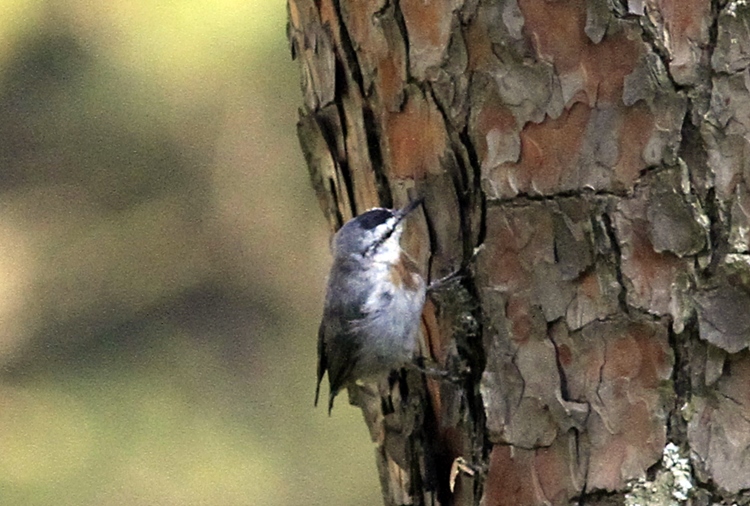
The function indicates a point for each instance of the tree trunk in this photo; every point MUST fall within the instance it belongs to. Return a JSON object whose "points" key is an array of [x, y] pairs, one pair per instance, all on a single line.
{"points": [[586, 162]]}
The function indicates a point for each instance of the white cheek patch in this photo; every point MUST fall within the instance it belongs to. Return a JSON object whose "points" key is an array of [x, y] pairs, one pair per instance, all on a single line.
{"points": [[390, 250]]}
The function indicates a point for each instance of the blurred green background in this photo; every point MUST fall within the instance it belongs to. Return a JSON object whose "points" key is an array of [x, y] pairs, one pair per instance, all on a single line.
{"points": [[162, 263]]}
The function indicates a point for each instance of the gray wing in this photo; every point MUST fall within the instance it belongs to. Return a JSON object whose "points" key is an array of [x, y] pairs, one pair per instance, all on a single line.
{"points": [[338, 340], [338, 352]]}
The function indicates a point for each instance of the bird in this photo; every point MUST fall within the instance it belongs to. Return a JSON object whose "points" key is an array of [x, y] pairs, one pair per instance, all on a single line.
{"points": [[373, 304]]}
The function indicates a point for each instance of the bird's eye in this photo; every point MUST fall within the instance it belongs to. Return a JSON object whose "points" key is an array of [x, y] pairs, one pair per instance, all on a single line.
{"points": [[372, 219]]}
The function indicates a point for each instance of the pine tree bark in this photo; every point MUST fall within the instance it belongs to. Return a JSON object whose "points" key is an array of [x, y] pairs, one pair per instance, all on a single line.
{"points": [[587, 163]]}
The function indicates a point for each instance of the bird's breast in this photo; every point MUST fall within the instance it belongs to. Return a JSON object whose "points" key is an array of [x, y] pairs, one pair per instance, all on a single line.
{"points": [[404, 274]]}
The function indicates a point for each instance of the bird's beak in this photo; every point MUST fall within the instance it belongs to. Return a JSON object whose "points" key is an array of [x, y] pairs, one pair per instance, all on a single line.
{"points": [[409, 208]]}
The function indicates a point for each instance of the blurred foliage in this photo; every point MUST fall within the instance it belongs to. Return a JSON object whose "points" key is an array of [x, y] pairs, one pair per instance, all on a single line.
{"points": [[162, 261]]}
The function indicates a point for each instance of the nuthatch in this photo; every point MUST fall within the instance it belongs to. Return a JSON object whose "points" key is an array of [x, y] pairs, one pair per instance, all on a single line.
{"points": [[373, 303]]}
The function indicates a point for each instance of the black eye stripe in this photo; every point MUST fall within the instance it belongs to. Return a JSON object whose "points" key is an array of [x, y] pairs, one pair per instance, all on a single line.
{"points": [[372, 219], [380, 241]]}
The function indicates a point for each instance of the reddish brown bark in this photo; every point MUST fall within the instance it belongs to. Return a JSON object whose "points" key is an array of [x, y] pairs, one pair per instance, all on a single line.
{"points": [[594, 156]]}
